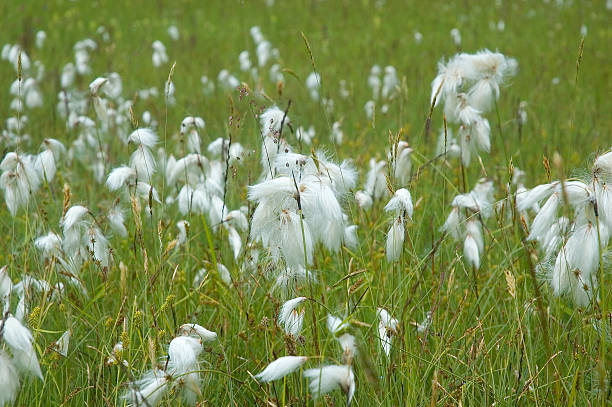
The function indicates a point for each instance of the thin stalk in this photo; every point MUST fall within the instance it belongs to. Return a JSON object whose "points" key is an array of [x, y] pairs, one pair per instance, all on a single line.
{"points": [[314, 319], [501, 133], [602, 294]]}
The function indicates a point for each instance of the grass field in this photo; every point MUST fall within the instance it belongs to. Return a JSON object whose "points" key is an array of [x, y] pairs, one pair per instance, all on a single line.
{"points": [[496, 334]]}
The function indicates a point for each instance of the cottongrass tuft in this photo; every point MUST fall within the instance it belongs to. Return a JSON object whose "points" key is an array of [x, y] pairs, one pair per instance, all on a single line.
{"points": [[280, 368], [328, 378]]}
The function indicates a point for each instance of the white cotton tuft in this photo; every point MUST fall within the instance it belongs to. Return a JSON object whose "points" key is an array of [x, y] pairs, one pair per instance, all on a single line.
{"points": [[294, 322], [602, 167], [235, 241], [403, 163], [295, 240], [143, 137], [536, 195], [224, 274], [116, 219], [364, 200], [376, 182], [603, 193], [395, 240], [271, 120], [327, 378], [387, 326], [335, 325], [9, 380], [349, 349], [6, 286], [544, 219], [143, 162], [288, 307], [19, 180], [61, 345], [280, 368], [401, 203], [452, 225], [120, 177], [96, 85], [99, 246], [45, 165], [337, 135], [19, 339], [576, 265], [49, 245], [183, 227], [471, 252], [149, 390], [473, 228], [290, 319], [304, 135], [350, 237], [313, 83], [183, 352], [198, 330], [73, 216], [238, 219]]}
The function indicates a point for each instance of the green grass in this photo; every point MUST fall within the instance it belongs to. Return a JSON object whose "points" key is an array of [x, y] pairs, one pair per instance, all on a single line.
{"points": [[486, 352]]}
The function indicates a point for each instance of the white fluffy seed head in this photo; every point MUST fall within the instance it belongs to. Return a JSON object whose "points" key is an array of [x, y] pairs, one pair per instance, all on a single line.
{"points": [[192, 122], [401, 203], [96, 84], [75, 215], [395, 240], [535, 195], [327, 378], [544, 219], [9, 379], [183, 352], [386, 327], [116, 219], [61, 345], [336, 325], [149, 390], [19, 339], [364, 200], [198, 330], [602, 167], [471, 251], [349, 349], [287, 308], [143, 137], [120, 177], [271, 120], [49, 244], [281, 367]]}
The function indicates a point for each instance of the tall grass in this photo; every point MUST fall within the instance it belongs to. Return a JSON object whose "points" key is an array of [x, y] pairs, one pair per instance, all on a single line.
{"points": [[512, 344]]}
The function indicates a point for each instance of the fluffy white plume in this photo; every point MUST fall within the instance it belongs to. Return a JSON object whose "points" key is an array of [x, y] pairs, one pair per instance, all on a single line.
{"points": [[401, 203], [387, 326], [19, 339], [198, 330], [395, 240], [281, 367], [328, 378], [149, 390], [9, 380], [335, 325]]}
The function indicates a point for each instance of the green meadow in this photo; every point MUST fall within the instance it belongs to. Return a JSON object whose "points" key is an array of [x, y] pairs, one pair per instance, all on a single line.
{"points": [[496, 334]]}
